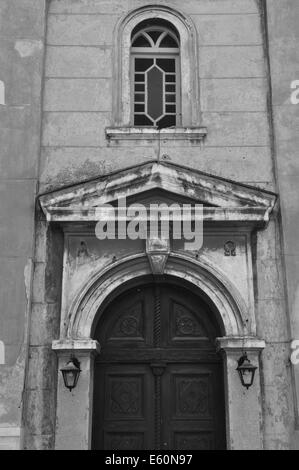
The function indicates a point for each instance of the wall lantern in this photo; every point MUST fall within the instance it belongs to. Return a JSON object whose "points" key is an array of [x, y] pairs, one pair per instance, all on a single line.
{"points": [[70, 373], [246, 371]]}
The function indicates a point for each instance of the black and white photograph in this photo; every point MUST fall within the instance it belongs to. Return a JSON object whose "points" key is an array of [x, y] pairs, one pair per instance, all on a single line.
{"points": [[149, 228]]}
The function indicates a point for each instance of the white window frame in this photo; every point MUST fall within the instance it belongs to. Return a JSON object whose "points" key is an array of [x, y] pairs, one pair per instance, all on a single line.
{"points": [[159, 55]]}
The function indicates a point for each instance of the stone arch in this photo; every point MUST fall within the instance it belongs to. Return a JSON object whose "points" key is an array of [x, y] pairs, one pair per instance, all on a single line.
{"points": [[189, 62], [223, 296]]}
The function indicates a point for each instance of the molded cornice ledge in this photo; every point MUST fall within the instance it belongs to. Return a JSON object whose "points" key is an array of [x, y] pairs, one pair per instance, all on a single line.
{"points": [[173, 133], [76, 345], [246, 343]]}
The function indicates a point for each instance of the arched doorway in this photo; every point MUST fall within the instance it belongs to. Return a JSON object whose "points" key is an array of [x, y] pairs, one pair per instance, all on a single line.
{"points": [[158, 381]]}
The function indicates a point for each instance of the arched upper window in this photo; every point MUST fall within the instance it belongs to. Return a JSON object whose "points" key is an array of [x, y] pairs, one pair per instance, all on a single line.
{"points": [[156, 75], [155, 52]]}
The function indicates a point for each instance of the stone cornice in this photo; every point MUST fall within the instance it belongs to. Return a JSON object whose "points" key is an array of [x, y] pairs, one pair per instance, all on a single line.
{"points": [[224, 201]]}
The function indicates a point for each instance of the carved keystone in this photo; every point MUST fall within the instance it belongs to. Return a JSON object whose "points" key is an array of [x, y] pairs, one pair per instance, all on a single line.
{"points": [[157, 250]]}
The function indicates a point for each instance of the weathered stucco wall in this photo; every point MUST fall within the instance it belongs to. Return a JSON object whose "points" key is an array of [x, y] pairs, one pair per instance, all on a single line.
{"points": [[283, 28], [22, 24], [79, 84], [234, 94]]}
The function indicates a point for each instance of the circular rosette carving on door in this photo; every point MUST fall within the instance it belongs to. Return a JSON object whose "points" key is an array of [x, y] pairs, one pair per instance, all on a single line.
{"points": [[129, 326]]}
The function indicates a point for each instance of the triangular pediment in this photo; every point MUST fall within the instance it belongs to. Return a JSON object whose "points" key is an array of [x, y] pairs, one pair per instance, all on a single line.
{"points": [[160, 182], [158, 196]]}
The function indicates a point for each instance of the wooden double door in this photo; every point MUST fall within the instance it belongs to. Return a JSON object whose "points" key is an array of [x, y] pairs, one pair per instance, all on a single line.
{"points": [[158, 380]]}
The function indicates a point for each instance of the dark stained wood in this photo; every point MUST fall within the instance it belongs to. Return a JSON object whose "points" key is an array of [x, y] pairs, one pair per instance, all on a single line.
{"points": [[158, 380]]}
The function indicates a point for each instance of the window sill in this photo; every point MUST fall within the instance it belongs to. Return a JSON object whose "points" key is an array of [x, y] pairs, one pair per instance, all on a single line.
{"points": [[149, 133]]}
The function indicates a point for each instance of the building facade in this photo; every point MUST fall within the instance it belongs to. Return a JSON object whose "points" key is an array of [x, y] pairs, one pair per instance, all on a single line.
{"points": [[162, 102]]}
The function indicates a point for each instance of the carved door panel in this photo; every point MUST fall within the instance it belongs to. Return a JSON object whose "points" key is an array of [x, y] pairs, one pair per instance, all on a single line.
{"points": [[124, 419], [158, 380], [192, 412], [186, 321], [128, 322]]}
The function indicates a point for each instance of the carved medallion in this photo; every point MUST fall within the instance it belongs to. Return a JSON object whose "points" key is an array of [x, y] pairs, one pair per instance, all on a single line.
{"points": [[83, 255], [125, 398], [230, 248], [186, 323], [185, 326], [192, 397], [129, 324]]}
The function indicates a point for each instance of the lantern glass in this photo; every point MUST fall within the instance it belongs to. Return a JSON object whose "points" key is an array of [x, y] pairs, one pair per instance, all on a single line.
{"points": [[70, 373], [247, 377], [246, 371]]}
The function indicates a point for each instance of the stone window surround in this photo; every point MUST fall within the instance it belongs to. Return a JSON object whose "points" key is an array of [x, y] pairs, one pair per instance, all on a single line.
{"points": [[191, 128]]}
